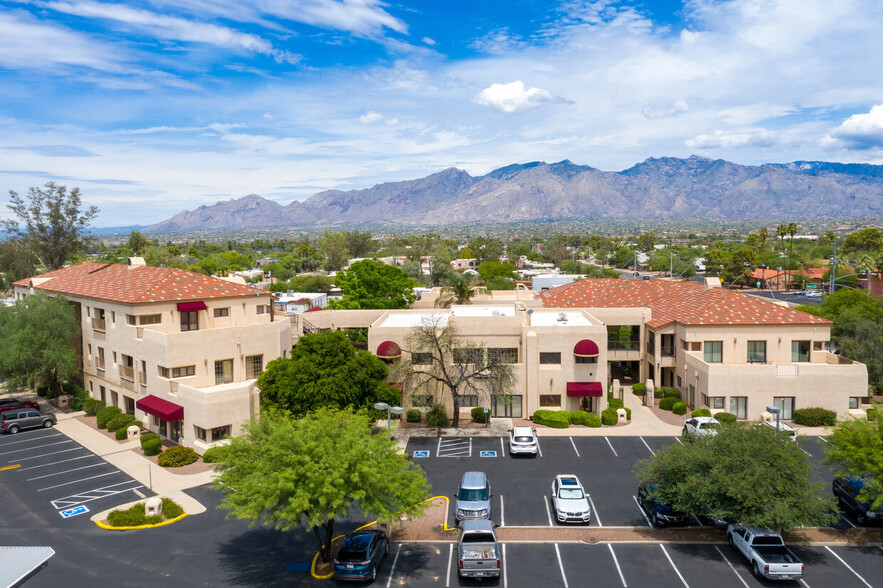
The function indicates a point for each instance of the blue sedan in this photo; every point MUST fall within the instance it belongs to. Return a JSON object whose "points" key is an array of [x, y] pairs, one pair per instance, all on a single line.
{"points": [[360, 555], [661, 514]]}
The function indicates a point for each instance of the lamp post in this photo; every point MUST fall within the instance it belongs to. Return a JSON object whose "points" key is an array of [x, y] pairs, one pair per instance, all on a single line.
{"points": [[389, 409], [774, 410]]}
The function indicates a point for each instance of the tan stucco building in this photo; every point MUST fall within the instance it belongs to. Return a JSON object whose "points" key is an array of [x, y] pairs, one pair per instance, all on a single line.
{"points": [[179, 350]]}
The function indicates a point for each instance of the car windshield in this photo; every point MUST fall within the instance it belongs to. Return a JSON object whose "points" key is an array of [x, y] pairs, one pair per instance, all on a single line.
{"points": [[523, 439], [469, 494], [570, 494], [351, 555], [760, 540]]}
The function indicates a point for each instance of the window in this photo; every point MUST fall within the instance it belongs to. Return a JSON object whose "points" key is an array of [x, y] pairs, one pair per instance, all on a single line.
{"points": [[717, 402], [818, 345], [254, 365], [163, 371], [468, 355], [502, 355], [713, 351], [219, 312], [785, 404], [200, 433], [704, 399], [469, 400], [684, 345], [757, 352], [550, 358], [550, 400], [692, 398], [262, 309], [130, 405], [103, 391], [422, 400], [739, 406], [854, 401], [679, 381], [130, 319], [579, 359], [183, 372], [190, 320], [223, 371], [113, 316], [800, 351], [695, 346], [150, 319], [421, 358], [219, 433]]}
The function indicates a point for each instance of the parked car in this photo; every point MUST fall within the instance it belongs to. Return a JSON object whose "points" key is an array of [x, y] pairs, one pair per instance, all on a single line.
{"points": [[360, 555], [569, 500], [10, 403], [660, 514], [478, 552], [813, 294], [473, 497], [786, 430], [766, 553], [522, 440], [15, 420], [701, 426], [846, 490]]}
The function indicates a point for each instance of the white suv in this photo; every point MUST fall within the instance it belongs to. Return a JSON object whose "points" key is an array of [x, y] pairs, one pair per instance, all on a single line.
{"points": [[701, 426], [569, 500], [783, 428], [522, 440]]}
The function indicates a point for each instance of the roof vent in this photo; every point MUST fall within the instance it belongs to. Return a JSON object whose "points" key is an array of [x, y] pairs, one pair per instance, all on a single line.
{"points": [[137, 262], [712, 283]]}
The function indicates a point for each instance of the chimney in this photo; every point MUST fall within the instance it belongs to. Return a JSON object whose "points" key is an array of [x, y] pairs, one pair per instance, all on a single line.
{"points": [[137, 262]]}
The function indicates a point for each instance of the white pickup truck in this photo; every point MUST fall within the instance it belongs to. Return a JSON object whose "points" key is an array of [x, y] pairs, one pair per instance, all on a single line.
{"points": [[478, 551], [766, 552]]}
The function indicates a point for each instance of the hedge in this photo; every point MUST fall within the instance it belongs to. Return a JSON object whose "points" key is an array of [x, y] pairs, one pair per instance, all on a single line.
{"points": [[413, 415], [587, 419], [639, 389], [609, 417], [725, 418], [147, 437], [615, 403], [176, 457], [105, 414], [479, 415], [671, 392], [214, 454], [437, 417], [120, 420], [92, 406], [679, 408], [557, 419], [134, 515], [815, 417], [152, 446], [658, 393], [123, 432], [872, 414], [668, 402], [700, 412], [628, 414], [77, 398]]}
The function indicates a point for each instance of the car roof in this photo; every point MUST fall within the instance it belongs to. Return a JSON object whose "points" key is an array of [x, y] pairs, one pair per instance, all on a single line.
{"points": [[473, 480], [359, 539], [782, 426], [701, 420], [477, 525], [522, 431], [568, 480]]}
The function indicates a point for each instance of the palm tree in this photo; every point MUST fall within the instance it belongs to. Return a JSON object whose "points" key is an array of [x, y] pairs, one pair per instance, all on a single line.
{"points": [[459, 290], [763, 234], [792, 229]]}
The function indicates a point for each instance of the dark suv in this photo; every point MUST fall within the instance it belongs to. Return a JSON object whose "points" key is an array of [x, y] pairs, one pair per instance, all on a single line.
{"points": [[13, 421], [661, 514], [10, 403], [846, 490]]}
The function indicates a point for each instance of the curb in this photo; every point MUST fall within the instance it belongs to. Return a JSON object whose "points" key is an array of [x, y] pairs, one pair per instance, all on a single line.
{"points": [[162, 524]]}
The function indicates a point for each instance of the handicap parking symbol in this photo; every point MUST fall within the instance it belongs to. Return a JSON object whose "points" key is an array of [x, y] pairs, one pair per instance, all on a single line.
{"points": [[489, 454], [72, 512], [422, 453]]}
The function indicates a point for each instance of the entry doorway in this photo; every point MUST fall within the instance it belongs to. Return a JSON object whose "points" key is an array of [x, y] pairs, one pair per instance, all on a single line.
{"points": [[511, 409], [175, 431]]}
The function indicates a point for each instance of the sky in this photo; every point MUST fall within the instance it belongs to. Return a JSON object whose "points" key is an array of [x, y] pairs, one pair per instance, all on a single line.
{"points": [[156, 106]]}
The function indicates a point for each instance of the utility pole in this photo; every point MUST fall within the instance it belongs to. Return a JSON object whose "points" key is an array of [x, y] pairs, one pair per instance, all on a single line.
{"points": [[833, 269]]}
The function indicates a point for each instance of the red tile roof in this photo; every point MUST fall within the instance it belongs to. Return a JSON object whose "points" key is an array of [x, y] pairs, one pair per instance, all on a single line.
{"points": [[130, 284], [688, 303]]}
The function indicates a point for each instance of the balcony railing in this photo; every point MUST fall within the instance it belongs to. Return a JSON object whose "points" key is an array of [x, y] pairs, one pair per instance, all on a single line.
{"points": [[667, 351], [624, 345], [128, 384], [127, 372], [99, 324], [99, 363]]}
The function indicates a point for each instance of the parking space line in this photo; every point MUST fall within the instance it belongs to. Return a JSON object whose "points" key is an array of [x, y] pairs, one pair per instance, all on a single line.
{"points": [[698, 522], [393, 569], [502, 447], [502, 513], [735, 571], [647, 446], [43, 465], [53, 453], [37, 447], [438, 449], [38, 438], [594, 510], [574, 446], [90, 495], [94, 465], [679, 440], [539, 448], [140, 494], [548, 512], [82, 480], [560, 565], [450, 560], [802, 581], [805, 451], [611, 446], [825, 440], [848, 567], [675, 568], [616, 563], [642, 511], [505, 572]]}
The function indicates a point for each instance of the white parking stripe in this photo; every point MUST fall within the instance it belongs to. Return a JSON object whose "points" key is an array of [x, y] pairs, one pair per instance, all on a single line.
{"points": [[94, 465], [94, 494], [851, 524], [32, 440], [37, 447], [574, 446], [48, 454], [540, 449], [647, 446], [560, 565], [502, 513], [44, 465], [502, 447], [611, 446], [616, 563], [802, 581], [674, 567], [393, 569], [83, 480], [679, 441], [548, 512], [138, 493], [642, 511], [848, 567], [450, 560], [594, 510], [505, 569], [806, 452], [738, 575]]}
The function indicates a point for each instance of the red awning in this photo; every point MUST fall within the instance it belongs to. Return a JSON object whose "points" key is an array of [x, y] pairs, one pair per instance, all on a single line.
{"points": [[190, 306], [162, 409], [388, 350], [313, 309], [583, 389], [586, 348]]}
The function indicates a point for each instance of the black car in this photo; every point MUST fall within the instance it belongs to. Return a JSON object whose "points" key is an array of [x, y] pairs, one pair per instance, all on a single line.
{"points": [[360, 555], [661, 514], [846, 490]]}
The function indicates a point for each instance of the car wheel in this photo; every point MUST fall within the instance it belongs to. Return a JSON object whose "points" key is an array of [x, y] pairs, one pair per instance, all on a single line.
{"points": [[684, 433], [755, 569], [47, 424], [654, 520], [14, 429]]}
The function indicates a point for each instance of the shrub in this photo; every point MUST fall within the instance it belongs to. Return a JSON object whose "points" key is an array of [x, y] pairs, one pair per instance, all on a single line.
{"points": [[78, 397], [92, 406], [147, 437], [581, 417], [437, 417], [557, 419], [413, 415], [628, 414], [152, 446], [700, 412], [679, 408], [872, 414], [133, 517], [214, 454], [120, 420], [593, 420], [122, 433], [658, 393], [668, 402], [176, 457], [815, 417], [171, 509], [609, 417], [671, 392], [725, 418], [479, 415], [639, 389], [105, 414], [615, 403]]}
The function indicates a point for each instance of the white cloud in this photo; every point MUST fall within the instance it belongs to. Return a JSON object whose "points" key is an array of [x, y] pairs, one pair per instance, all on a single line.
{"points": [[659, 109], [512, 98], [862, 131], [428, 41], [372, 117], [731, 139]]}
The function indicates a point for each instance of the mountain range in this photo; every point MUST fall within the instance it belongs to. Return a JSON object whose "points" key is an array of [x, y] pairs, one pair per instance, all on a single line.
{"points": [[665, 187]]}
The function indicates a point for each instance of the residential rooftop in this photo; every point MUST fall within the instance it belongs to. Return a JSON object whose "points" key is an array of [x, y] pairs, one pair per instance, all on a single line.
{"points": [[559, 318]]}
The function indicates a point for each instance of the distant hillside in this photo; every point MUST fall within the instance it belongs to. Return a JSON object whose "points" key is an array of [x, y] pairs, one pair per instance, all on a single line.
{"points": [[667, 187]]}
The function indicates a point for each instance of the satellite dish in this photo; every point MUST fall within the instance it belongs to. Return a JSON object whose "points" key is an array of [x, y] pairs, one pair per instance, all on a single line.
{"points": [[529, 311]]}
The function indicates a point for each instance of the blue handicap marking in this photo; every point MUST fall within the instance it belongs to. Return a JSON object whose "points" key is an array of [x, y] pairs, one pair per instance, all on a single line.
{"points": [[422, 453], [72, 512], [489, 454]]}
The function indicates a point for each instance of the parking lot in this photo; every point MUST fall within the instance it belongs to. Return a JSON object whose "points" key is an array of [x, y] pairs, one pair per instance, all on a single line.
{"points": [[59, 479]]}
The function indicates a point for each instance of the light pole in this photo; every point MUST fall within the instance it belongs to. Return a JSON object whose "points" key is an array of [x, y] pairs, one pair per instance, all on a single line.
{"points": [[389, 409]]}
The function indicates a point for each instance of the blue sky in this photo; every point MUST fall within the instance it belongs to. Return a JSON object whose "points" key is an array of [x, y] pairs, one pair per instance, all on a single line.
{"points": [[152, 107]]}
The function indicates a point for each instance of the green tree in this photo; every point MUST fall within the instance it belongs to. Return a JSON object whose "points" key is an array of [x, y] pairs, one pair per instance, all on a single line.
{"points": [[646, 241], [308, 473], [360, 244], [54, 224], [752, 475], [13, 265], [371, 284], [496, 269], [325, 370], [856, 449], [137, 242], [457, 290], [870, 239], [334, 247], [36, 335]]}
